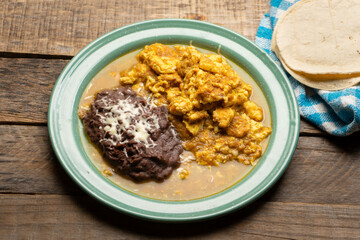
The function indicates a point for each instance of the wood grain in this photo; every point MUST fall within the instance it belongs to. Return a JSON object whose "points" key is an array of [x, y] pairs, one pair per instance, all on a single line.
{"points": [[64, 27], [27, 84], [76, 217], [28, 163], [318, 197], [322, 170]]}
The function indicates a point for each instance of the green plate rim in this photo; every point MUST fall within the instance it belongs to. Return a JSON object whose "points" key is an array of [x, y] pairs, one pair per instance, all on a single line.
{"points": [[161, 23]]}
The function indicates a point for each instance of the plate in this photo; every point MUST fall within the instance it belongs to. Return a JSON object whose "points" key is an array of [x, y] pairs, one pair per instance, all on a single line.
{"points": [[63, 121]]}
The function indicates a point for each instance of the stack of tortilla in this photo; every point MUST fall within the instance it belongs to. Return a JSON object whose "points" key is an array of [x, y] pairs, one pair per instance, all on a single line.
{"points": [[318, 43]]}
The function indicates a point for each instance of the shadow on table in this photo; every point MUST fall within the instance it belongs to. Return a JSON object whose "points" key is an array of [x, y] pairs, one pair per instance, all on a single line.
{"points": [[118, 222], [349, 144], [121, 223], [139, 227]]}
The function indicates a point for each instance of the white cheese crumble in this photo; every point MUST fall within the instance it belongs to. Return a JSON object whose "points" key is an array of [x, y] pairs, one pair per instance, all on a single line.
{"points": [[124, 115], [187, 157]]}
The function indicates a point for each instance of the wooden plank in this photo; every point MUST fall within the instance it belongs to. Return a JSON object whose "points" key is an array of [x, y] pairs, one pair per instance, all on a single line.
{"points": [[29, 164], [69, 217], [64, 27], [323, 170], [26, 88], [306, 128]]}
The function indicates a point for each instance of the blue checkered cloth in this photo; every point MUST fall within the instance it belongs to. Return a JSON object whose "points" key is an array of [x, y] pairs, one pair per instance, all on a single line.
{"points": [[336, 112]]}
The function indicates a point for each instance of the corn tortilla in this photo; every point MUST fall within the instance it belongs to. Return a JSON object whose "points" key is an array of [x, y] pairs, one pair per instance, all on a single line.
{"points": [[328, 84], [320, 37]]}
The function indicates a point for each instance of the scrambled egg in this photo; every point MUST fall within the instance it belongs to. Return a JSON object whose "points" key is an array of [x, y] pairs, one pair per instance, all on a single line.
{"points": [[208, 103]]}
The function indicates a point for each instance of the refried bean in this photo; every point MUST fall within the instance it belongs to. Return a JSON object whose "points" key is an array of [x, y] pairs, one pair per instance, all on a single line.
{"points": [[134, 136]]}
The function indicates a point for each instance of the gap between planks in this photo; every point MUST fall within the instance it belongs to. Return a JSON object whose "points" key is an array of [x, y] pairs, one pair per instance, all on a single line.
{"points": [[33, 55]]}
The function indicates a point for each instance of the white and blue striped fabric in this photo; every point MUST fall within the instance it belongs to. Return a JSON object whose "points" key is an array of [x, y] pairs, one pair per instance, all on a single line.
{"points": [[336, 112]]}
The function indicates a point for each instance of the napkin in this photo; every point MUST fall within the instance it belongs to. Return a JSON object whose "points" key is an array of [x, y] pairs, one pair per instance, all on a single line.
{"points": [[336, 112]]}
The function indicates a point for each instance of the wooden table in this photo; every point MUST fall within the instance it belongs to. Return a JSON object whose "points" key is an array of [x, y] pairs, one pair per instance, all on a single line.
{"points": [[318, 196]]}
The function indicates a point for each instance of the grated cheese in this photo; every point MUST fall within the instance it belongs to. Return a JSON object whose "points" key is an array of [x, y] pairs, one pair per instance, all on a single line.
{"points": [[126, 116], [187, 157]]}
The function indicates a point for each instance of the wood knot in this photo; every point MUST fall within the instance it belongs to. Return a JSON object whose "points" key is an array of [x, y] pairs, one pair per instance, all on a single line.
{"points": [[195, 16]]}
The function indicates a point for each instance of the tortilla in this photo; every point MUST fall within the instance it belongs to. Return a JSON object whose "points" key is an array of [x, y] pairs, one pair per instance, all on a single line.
{"points": [[328, 84], [320, 39]]}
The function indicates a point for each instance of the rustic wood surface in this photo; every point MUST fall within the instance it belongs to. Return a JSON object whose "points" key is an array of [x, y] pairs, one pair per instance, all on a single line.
{"points": [[318, 196]]}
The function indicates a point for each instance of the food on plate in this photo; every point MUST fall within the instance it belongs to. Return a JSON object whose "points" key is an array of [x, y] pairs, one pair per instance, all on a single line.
{"points": [[134, 136], [318, 43], [203, 122]]}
